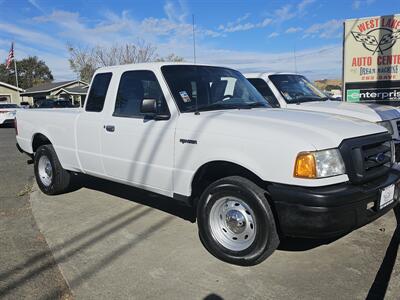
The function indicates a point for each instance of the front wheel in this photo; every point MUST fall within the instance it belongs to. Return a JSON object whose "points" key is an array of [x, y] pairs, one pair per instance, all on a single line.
{"points": [[236, 223], [51, 178]]}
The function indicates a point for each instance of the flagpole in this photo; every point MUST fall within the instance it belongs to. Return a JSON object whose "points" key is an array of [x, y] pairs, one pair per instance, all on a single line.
{"points": [[16, 74], [15, 69]]}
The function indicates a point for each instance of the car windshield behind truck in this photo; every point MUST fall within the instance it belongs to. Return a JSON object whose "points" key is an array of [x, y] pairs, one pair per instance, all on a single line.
{"points": [[8, 106], [297, 88], [210, 88]]}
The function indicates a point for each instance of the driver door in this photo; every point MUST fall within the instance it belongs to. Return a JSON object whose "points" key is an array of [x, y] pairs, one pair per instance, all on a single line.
{"points": [[139, 150]]}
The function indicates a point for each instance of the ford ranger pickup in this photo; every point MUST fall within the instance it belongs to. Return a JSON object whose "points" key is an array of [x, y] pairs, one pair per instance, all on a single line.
{"points": [[205, 136]]}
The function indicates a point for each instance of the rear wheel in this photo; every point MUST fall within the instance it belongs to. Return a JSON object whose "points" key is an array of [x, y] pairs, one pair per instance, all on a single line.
{"points": [[51, 178], [236, 223]]}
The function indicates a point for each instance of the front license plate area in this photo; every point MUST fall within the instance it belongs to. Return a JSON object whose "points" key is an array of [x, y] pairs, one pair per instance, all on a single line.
{"points": [[387, 196]]}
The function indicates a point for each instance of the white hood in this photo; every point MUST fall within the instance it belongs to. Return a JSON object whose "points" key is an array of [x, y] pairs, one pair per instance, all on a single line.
{"points": [[367, 111], [315, 129]]}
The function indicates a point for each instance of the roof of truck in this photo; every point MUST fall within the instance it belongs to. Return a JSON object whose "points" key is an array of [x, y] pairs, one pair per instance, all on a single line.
{"points": [[150, 65]]}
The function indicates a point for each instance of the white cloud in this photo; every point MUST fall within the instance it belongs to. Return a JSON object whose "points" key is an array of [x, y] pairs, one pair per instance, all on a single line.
{"points": [[237, 25], [116, 27], [273, 35], [31, 36], [36, 5], [175, 13], [303, 4], [293, 29], [329, 29], [358, 3], [284, 13]]}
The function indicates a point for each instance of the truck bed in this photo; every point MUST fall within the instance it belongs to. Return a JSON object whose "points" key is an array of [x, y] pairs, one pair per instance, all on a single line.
{"points": [[58, 125]]}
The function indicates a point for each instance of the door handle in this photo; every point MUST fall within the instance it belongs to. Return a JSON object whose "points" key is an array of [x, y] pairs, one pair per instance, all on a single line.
{"points": [[109, 128]]}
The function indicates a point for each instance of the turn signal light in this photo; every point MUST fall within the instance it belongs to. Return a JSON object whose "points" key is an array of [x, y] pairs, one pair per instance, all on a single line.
{"points": [[305, 166]]}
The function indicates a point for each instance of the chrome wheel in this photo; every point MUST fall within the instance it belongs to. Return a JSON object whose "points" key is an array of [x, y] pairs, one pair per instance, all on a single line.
{"points": [[232, 223], [45, 170]]}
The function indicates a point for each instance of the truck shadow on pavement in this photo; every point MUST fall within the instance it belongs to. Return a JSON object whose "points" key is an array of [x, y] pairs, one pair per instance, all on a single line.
{"points": [[64, 251], [382, 278], [176, 208], [136, 195]]}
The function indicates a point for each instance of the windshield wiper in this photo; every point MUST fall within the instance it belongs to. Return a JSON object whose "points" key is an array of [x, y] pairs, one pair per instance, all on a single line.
{"points": [[215, 106], [299, 100], [255, 104], [219, 106]]}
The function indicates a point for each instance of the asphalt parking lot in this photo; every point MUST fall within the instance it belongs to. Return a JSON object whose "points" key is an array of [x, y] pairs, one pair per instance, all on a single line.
{"points": [[21, 242], [113, 241]]}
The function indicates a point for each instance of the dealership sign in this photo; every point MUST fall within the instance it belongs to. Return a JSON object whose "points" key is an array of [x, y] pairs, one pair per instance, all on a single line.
{"points": [[371, 62]]}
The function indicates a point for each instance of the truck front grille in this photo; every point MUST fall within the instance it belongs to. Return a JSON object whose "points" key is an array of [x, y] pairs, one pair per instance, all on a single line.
{"points": [[367, 158], [376, 155]]}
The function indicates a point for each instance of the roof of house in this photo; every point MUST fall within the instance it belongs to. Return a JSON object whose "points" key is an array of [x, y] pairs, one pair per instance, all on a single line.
{"points": [[50, 86], [76, 90], [10, 86]]}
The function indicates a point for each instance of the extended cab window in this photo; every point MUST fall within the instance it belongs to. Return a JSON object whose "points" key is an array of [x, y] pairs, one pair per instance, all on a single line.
{"points": [[264, 90], [135, 86], [98, 92]]}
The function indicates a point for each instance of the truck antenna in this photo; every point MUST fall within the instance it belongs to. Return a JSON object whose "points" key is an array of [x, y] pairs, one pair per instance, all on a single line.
{"points": [[294, 55], [196, 112], [194, 41]]}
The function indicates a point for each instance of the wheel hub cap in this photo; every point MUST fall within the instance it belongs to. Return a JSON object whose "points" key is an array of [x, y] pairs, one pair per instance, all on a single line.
{"points": [[235, 221], [48, 170], [45, 170], [232, 223]]}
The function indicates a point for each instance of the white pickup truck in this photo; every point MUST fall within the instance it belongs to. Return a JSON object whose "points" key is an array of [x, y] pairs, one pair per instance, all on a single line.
{"points": [[294, 91], [205, 136]]}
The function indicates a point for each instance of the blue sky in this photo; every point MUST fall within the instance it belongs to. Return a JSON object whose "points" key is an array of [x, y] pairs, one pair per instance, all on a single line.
{"points": [[246, 35]]}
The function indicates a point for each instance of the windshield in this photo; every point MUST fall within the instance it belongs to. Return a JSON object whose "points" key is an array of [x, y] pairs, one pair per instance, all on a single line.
{"points": [[8, 106], [212, 88], [297, 88]]}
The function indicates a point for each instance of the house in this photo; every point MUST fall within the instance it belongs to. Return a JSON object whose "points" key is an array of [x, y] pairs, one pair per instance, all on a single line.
{"points": [[10, 93], [76, 94], [73, 90]]}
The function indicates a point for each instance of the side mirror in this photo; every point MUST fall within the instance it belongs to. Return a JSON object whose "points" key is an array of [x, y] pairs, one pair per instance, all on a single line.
{"points": [[148, 107]]}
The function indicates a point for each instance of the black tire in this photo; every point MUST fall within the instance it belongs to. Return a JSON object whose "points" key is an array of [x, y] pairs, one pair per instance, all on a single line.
{"points": [[265, 239], [60, 179]]}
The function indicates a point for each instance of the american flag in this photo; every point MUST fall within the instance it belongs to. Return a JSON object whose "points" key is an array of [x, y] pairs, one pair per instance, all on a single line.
{"points": [[10, 56]]}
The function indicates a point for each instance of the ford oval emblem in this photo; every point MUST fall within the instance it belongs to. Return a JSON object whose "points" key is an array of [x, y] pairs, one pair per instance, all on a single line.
{"points": [[380, 157]]}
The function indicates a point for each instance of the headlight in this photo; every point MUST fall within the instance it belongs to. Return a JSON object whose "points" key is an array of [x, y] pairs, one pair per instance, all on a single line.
{"points": [[319, 164], [387, 125]]}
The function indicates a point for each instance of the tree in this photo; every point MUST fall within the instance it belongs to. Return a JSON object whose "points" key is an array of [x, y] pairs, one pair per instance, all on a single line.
{"points": [[31, 72], [171, 58], [84, 61]]}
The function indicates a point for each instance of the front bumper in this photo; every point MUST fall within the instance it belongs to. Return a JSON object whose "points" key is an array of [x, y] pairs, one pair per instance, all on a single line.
{"points": [[330, 211]]}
